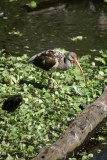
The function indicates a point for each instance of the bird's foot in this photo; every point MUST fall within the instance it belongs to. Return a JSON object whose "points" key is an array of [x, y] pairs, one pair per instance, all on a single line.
{"points": [[54, 82]]}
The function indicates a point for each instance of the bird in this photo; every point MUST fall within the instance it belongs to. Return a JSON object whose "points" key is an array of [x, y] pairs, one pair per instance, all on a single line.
{"points": [[55, 60]]}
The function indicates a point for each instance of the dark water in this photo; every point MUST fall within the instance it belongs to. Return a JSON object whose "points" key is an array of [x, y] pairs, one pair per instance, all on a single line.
{"points": [[54, 27], [102, 155], [49, 28]]}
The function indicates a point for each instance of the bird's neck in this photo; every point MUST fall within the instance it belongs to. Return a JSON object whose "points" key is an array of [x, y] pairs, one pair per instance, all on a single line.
{"points": [[67, 63]]}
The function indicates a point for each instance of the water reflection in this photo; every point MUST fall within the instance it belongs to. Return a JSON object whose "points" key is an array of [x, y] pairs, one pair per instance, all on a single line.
{"points": [[102, 20], [102, 155], [92, 6], [53, 27]]}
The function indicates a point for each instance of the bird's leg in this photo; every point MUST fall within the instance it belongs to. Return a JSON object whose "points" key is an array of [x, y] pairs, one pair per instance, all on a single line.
{"points": [[49, 80], [53, 81]]}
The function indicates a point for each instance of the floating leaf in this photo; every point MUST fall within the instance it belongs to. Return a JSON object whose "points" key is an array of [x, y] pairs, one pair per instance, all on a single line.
{"points": [[103, 53], [93, 50], [101, 73], [77, 38], [32, 4], [93, 63], [30, 148], [102, 60], [105, 1], [9, 157]]}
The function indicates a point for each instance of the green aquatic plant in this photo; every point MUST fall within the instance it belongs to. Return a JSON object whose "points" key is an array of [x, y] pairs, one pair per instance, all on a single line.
{"points": [[32, 4], [44, 114], [102, 57]]}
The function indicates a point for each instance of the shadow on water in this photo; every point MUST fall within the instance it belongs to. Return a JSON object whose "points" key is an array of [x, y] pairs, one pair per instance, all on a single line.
{"points": [[35, 84]]}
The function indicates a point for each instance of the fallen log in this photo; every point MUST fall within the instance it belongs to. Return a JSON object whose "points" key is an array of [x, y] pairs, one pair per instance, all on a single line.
{"points": [[77, 131]]}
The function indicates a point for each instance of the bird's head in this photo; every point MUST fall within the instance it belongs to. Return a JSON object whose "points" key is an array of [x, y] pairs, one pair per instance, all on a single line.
{"points": [[73, 57]]}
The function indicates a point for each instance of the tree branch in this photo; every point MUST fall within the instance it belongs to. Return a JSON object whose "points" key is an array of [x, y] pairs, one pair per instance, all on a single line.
{"points": [[77, 131]]}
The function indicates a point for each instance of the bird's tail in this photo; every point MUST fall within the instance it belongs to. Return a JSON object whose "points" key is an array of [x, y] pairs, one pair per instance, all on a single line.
{"points": [[32, 58]]}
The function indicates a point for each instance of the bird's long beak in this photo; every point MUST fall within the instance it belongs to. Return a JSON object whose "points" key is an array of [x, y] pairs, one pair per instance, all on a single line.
{"points": [[78, 65]]}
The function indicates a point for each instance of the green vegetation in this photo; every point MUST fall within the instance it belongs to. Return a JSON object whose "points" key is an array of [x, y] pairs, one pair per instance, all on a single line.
{"points": [[84, 156], [44, 114], [32, 4]]}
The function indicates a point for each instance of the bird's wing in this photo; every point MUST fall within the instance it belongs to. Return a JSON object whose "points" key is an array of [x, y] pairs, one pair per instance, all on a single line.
{"points": [[44, 60]]}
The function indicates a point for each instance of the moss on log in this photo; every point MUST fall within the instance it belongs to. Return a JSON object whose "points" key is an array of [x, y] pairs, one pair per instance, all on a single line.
{"points": [[77, 131]]}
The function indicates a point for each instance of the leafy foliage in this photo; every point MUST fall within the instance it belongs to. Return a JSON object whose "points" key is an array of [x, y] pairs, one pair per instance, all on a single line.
{"points": [[102, 58], [77, 38], [44, 114], [32, 4]]}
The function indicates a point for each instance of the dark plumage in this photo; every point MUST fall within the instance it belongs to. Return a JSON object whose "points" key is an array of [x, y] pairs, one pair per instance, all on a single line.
{"points": [[48, 60], [44, 60], [12, 103], [52, 60]]}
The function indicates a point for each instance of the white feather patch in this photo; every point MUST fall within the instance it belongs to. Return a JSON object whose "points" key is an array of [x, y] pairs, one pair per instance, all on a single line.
{"points": [[33, 57], [43, 62]]}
